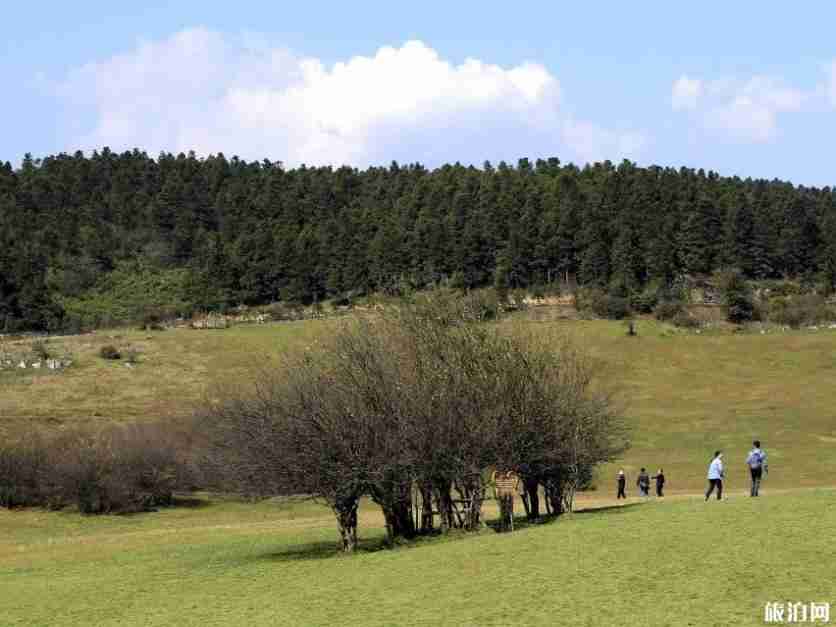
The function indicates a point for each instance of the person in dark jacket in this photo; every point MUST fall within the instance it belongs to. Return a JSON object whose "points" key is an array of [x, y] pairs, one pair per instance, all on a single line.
{"points": [[643, 482], [622, 483], [756, 460], [660, 482]]}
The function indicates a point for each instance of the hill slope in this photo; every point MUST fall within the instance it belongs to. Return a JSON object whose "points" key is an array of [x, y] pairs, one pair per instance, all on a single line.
{"points": [[686, 394]]}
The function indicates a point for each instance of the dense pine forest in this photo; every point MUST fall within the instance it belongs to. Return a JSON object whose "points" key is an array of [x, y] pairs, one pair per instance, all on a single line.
{"points": [[187, 234]]}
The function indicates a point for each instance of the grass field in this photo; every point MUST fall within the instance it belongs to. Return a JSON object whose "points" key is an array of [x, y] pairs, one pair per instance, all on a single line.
{"points": [[680, 562], [686, 394], [175, 369], [674, 562]]}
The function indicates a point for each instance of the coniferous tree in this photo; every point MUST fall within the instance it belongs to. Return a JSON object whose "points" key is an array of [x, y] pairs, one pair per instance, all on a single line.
{"points": [[252, 232]]}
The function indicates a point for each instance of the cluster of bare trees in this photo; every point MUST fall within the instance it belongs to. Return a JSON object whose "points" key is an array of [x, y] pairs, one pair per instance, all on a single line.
{"points": [[98, 469], [413, 407]]}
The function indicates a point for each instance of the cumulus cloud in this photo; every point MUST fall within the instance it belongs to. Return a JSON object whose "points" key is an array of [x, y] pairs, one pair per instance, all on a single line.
{"points": [[686, 93], [204, 91], [746, 110]]}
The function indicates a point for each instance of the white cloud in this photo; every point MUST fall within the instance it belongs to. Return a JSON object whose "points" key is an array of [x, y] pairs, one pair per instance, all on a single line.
{"points": [[686, 92], [208, 92], [745, 110]]}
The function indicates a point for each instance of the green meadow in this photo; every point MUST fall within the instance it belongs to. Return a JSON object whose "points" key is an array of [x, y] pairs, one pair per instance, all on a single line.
{"points": [[679, 562], [676, 561]]}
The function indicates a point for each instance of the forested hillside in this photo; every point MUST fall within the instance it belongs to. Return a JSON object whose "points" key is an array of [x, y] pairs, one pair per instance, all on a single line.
{"points": [[215, 232]]}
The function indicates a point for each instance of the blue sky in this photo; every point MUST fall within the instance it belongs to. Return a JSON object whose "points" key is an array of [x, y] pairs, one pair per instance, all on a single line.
{"points": [[743, 88]]}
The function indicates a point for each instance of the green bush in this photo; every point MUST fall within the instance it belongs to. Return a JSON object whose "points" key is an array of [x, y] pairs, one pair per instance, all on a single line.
{"points": [[603, 305], [684, 320], [738, 300], [152, 321], [779, 288], [285, 311], [645, 301], [667, 310], [799, 310], [616, 307], [128, 295]]}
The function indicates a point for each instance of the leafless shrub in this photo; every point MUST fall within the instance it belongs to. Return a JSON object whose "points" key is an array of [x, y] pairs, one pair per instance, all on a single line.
{"points": [[23, 460], [418, 398], [117, 468]]}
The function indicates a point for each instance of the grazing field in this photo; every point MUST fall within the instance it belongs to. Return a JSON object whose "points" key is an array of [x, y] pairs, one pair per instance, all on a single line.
{"points": [[685, 393], [175, 370], [679, 562]]}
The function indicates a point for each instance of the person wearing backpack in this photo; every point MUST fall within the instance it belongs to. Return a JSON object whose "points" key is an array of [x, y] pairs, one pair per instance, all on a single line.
{"points": [[644, 483], [757, 466], [716, 473]]}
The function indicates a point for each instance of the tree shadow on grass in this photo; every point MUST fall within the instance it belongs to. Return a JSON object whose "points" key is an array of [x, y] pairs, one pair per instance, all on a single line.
{"points": [[320, 551], [330, 549], [177, 502], [522, 522], [610, 509], [190, 502]]}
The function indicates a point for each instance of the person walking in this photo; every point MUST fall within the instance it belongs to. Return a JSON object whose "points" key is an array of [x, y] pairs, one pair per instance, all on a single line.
{"points": [[622, 483], [660, 482], [643, 482], [756, 461], [716, 472]]}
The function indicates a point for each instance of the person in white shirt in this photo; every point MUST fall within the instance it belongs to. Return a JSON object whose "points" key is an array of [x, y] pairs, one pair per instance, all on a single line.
{"points": [[716, 472]]}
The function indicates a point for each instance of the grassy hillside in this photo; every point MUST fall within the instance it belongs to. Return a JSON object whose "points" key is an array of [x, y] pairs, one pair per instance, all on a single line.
{"points": [[674, 562], [690, 394], [680, 562], [686, 393], [175, 369]]}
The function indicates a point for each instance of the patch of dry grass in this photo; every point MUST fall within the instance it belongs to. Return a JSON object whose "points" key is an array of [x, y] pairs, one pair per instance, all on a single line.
{"points": [[175, 370]]}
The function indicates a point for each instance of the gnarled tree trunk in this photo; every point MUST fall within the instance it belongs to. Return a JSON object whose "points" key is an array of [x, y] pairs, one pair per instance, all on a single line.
{"points": [[472, 493], [531, 486], [444, 503], [346, 512], [426, 507], [395, 501], [554, 494], [506, 512]]}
